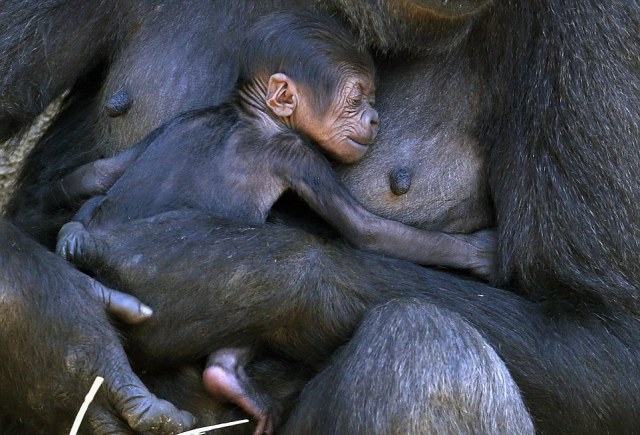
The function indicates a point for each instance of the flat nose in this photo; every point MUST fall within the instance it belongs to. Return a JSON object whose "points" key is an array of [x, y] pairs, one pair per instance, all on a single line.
{"points": [[372, 116], [371, 119]]}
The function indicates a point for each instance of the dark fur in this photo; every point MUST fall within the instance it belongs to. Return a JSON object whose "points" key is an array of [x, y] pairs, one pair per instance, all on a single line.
{"points": [[234, 161], [560, 91], [310, 48], [356, 373]]}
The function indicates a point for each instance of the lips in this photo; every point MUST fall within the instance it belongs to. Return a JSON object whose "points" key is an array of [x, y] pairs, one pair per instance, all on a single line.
{"points": [[361, 147], [363, 143], [355, 152]]}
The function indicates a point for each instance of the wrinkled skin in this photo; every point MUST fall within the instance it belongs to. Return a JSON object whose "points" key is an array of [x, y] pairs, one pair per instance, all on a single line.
{"points": [[236, 159], [561, 159], [431, 148], [349, 125]]}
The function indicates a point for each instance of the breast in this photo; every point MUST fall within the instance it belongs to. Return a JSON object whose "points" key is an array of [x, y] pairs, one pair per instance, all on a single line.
{"points": [[426, 168]]}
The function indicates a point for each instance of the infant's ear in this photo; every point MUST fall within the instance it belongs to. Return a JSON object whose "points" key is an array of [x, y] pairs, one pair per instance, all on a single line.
{"points": [[282, 95]]}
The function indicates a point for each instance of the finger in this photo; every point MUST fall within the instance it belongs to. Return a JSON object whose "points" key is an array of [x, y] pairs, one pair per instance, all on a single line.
{"points": [[143, 411], [94, 178], [86, 181], [67, 239], [97, 177], [125, 307], [100, 421]]}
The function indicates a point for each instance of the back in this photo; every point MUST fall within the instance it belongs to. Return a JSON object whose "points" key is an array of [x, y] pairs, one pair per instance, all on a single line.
{"points": [[167, 174], [194, 162]]}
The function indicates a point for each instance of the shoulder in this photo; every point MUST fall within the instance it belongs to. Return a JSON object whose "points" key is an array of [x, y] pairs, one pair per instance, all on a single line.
{"points": [[208, 120], [296, 154], [291, 139]]}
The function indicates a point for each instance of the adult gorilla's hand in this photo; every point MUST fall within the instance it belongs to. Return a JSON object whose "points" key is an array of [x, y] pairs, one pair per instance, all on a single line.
{"points": [[125, 307], [55, 339]]}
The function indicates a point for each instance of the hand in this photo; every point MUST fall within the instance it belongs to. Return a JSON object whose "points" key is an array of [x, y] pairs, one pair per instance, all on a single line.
{"points": [[55, 339], [482, 256]]}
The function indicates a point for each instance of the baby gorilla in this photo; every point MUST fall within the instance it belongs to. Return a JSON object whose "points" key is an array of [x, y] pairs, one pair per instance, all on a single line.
{"points": [[304, 90]]}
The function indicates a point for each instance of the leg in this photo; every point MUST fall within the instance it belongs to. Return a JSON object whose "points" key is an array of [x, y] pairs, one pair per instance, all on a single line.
{"points": [[435, 373], [261, 304], [256, 282], [55, 339]]}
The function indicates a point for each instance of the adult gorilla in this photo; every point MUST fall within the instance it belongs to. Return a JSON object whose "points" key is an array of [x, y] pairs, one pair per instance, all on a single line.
{"points": [[556, 88]]}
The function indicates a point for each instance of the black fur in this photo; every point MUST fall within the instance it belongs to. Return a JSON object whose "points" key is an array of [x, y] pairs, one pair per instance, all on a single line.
{"points": [[235, 160], [558, 91]]}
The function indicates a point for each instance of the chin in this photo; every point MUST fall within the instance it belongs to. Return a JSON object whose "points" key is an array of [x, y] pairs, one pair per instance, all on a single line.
{"points": [[352, 151]]}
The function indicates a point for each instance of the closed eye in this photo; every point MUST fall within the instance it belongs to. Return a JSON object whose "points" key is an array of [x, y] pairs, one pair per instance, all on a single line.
{"points": [[354, 102]]}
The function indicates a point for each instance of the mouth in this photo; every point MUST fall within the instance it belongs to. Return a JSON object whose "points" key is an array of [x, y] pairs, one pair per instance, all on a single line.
{"points": [[359, 144], [353, 150]]}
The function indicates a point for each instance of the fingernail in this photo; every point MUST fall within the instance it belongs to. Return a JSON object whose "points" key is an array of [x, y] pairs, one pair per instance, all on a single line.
{"points": [[146, 311]]}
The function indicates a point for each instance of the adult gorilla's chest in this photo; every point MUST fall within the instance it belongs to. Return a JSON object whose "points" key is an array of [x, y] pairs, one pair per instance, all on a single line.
{"points": [[426, 168], [426, 151]]}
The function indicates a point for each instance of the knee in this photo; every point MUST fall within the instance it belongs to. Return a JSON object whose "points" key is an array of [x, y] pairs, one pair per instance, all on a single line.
{"points": [[413, 367], [12, 299]]}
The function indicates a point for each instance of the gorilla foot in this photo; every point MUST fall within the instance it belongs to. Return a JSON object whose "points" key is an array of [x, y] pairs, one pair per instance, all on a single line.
{"points": [[226, 379], [72, 239]]}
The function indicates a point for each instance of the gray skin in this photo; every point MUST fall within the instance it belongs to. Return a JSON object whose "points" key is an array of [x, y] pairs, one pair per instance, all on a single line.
{"points": [[562, 155], [446, 188], [426, 168], [103, 133]]}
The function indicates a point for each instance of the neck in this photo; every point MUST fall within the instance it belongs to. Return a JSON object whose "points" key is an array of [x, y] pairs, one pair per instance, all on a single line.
{"points": [[251, 101]]}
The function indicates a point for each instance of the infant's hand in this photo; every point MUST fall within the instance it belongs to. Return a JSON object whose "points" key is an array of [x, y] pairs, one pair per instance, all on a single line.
{"points": [[483, 247]]}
